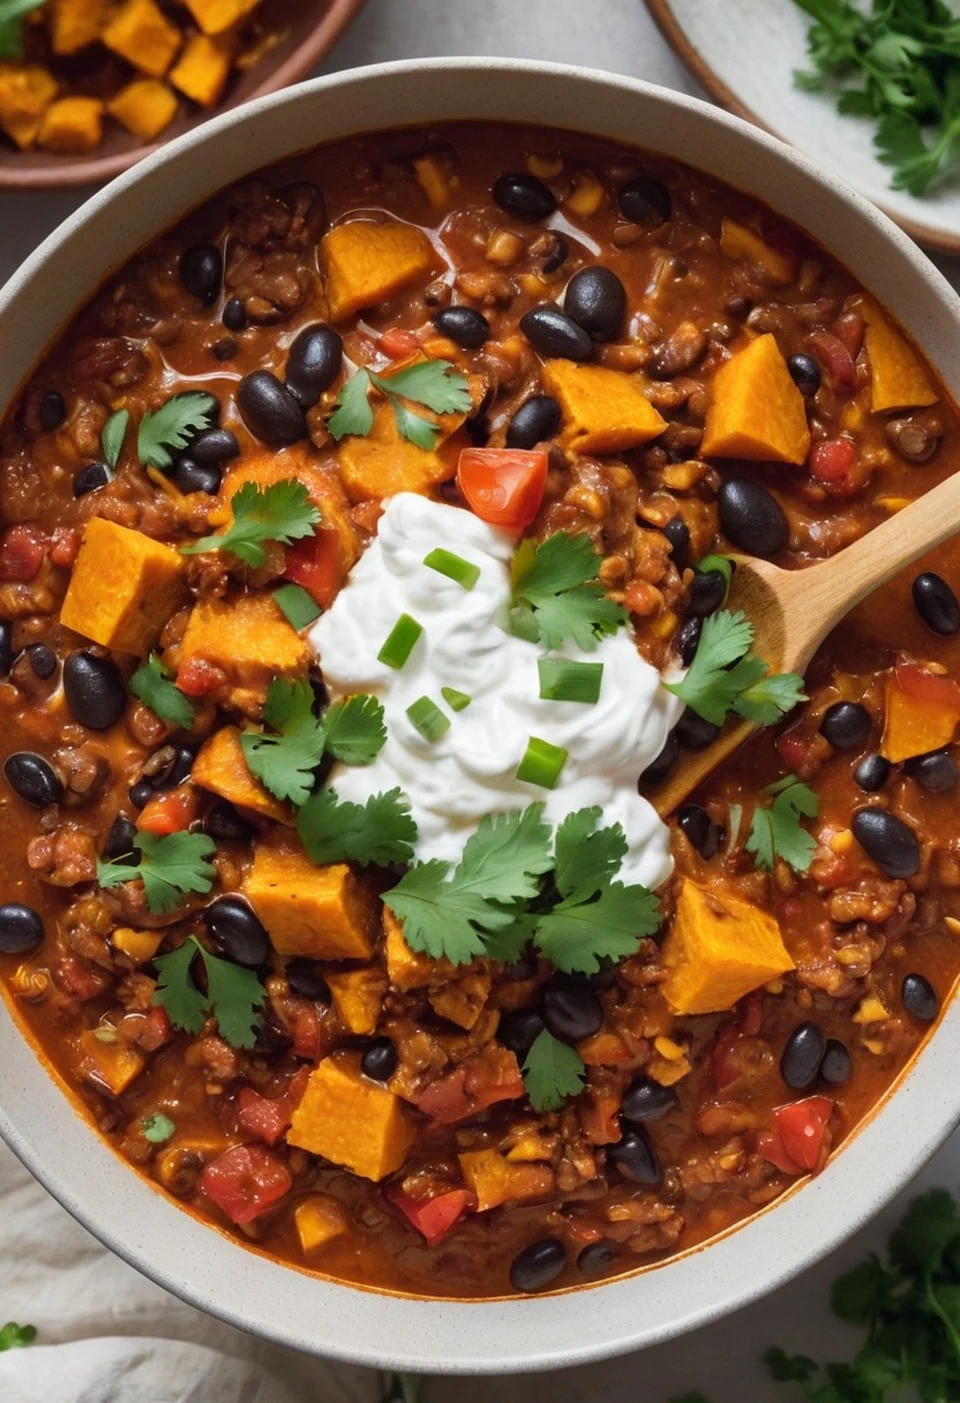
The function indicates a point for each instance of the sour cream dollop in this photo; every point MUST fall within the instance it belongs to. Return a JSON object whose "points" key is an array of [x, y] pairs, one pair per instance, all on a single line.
{"points": [[471, 770]]}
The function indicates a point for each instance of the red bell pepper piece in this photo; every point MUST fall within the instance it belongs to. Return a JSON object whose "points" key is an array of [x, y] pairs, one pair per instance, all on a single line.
{"points": [[433, 1217]]}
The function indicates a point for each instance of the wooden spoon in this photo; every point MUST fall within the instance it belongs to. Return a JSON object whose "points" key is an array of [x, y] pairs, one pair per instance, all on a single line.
{"points": [[792, 611]]}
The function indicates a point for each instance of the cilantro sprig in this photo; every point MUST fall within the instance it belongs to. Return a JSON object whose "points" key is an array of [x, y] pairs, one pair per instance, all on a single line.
{"points": [[556, 597], [151, 683], [776, 831], [232, 996], [281, 512], [435, 384], [14, 1336], [112, 436], [169, 868], [381, 831], [552, 1072], [725, 676], [166, 430]]}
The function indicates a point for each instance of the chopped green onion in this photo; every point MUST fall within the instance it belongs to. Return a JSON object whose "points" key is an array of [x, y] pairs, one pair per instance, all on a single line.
{"points": [[299, 607], [563, 680], [429, 720], [454, 567], [105, 1033], [401, 642], [723, 563], [157, 1128], [457, 701], [542, 763]]}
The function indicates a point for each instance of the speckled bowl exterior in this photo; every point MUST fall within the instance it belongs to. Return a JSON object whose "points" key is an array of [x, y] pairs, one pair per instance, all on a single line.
{"points": [[146, 1228]]}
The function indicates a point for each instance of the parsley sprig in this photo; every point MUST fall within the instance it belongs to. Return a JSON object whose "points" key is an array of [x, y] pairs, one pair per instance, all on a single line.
{"points": [[556, 597], [776, 831], [232, 996], [166, 430], [435, 384], [381, 831], [169, 868], [725, 676], [281, 512], [151, 683], [552, 1072]]}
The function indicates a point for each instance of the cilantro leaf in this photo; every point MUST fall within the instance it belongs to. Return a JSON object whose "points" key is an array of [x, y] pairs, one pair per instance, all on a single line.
{"points": [[112, 436], [151, 683], [14, 1336], [164, 431], [169, 868], [281, 512], [381, 831], [552, 1071], [555, 598], [586, 928], [770, 697], [353, 414], [436, 384], [423, 433], [776, 831], [725, 677], [586, 858], [233, 993], [354, 730], [285, 763]]}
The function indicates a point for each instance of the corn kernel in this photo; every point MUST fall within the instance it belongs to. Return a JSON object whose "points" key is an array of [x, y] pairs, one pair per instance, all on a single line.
{"points": [[893, 504], [138, 945], [871, 1010], [669, 1049], [842, 841], [545, 167], [952, 924], [587, 195]]}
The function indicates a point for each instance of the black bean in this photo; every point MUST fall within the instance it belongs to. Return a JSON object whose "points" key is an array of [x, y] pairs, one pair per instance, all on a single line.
{"points": [[313, 363], [751, 517], [140, 793], [872, 773], [688, 640], [21, 928], [571, 1011], [237, 931], [94, 690], [935, 772], [596, 1257], [464, 325], [119, 840], [802, 1055], [52, 411], [91, 477], [190, 476], [6, 646], [201, 271], [379, 1061], [596, 300], [175, 769], [657, 771], [519, 1030], [635, 1157], [305, 978], [537, 1265], [645, 1099], [936, 604], [705, 835], [224, 349], [32, 779], [677, 533], [695, 733], [805, 373], [845, 725], [887, 839], [919, 998], [234, 316], [269, 410], [215, 446], [537, 419], [225, 825], [524, 195], [645, 201], [837, 1063], [42, 660], [552, 333], [708, 589]]}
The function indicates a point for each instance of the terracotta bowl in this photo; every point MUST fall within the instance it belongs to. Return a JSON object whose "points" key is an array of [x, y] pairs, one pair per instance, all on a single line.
{"points": [[312, 28], [148, 1229]]}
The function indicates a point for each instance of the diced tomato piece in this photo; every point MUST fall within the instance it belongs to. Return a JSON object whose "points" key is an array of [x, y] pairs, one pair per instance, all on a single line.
{"points": [[245, 1181], [198, 678], [156, 1029], [832, 459], [503, 485], [305, 1031], [80, 979], [933, 687], [170, 811], [397, 342], [261, 1117], [485, 1078], [769, 1146], [21, 553], [314, 563], [801, 1126], [64, 545], [835, 356], [434, 1217], [793, 746]]}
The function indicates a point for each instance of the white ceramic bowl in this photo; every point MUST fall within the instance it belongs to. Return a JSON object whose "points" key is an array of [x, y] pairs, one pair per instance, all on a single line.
{"points": [[210, 1269]]}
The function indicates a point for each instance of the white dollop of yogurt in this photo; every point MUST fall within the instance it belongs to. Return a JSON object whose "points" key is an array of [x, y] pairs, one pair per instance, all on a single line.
{"points": [[471, 770]]}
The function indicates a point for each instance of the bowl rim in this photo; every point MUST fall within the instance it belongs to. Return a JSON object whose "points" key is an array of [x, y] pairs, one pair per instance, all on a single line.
{"points": [[249, 1290]]}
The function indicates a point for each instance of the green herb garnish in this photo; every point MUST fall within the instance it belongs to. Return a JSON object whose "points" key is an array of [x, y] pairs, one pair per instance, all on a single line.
{"points": [[151, 683], [14, 1336], [556, 597], [112, 436], [157, 1128], [298, 606], [281, 512], [724, 676], [170, 428], [169, 868], [233, 994], [381, 831], [353, 730], [776, 830], [552, 1072], [564, 680], [427, 718], [542, 763], [400, 642], [454, 567], [12, 14], [436, 384]]}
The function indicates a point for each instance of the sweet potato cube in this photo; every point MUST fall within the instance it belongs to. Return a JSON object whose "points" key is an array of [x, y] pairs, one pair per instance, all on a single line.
{"points": [[124, 587], [496, 1180], [110, 1066], [756, 411], [463, 999], [213, 16], [605, 411], [328, 913], [358, 996], [406, 968], [915, 725], [718, 949], [203, 69], [141, 33], [72, 125], [383, 463], [25, 94], [319, 1218], [365, 263], [897, 377], [76, 23], [352, 1121], [144, 107], [743, 245], [220, 767], [248, 639]]}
